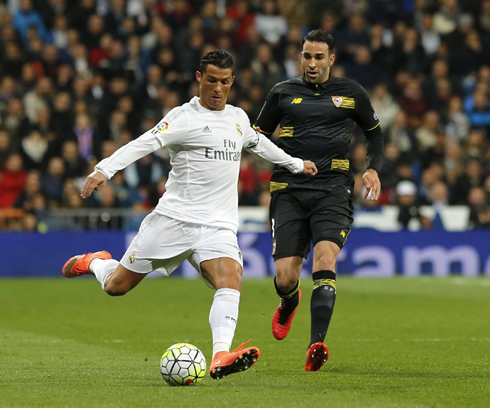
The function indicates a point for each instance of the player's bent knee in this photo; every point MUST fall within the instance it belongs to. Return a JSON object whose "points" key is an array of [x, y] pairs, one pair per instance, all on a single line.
{"points": [[121, 281], [112, 290], [116, 288], [286, 281]]}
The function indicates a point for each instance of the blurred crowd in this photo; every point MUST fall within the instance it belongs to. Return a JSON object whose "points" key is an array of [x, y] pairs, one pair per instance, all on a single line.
{"points": [[78, 79]]}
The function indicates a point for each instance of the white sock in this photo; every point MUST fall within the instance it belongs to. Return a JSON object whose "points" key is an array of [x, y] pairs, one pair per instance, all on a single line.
{"points": [[223, 318], [102, 268]]}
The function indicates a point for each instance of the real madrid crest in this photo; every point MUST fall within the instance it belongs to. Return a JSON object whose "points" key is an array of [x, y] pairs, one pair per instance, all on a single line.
{"points": [[131, 258], [239, 129], [337, 101]]}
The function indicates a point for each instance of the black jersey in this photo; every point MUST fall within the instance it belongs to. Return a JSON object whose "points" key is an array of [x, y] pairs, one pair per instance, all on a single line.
{"points": [[316, 123]]}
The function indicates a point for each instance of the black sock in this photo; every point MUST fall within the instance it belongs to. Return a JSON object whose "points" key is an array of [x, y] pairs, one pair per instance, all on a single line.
{"points": [[322, 303], [291, 299]]}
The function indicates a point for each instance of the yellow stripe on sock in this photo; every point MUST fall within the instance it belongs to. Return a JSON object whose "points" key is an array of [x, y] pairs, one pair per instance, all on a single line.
{"points": [[324, 282], [291, 294]]}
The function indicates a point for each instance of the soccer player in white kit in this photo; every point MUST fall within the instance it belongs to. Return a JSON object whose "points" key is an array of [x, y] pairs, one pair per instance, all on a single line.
{"points": [[197, 217]]}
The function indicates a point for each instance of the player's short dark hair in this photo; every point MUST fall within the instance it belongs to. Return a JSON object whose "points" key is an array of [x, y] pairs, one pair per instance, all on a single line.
{"points": [[218, 58], [321, 36]]}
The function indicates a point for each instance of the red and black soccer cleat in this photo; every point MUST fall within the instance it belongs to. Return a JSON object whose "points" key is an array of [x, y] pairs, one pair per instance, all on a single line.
{"points": [[316, 356], [282, 320]]}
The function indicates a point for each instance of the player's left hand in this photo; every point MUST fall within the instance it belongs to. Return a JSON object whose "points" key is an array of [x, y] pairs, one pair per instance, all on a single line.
{"points": [[309, 168], [372, 183]]}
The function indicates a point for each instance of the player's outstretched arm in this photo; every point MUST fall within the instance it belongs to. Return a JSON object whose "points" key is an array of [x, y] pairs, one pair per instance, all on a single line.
{"points": [[372, 183], [94, 181], [309, 168]]}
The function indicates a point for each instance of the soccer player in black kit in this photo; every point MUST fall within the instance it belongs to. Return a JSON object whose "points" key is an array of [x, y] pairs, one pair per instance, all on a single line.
{"points": [[316, 114]]}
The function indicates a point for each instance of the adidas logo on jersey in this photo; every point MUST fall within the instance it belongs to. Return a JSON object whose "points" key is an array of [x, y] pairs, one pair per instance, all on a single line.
{"points": [[206, 129]]}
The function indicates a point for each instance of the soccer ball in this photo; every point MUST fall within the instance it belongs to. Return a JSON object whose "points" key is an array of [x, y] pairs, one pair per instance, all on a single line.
{"points": [[183, 364]]}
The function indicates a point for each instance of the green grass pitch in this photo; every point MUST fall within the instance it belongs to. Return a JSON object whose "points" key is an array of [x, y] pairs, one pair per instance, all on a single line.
{"points": [[394, 343]]}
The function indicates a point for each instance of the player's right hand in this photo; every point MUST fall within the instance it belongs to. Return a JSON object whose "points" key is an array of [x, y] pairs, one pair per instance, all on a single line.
{"points": [[310, 168], [94, 181]]}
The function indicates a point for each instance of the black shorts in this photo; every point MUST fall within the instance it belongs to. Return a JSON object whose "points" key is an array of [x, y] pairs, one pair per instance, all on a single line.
{"points": [[300, 217]]}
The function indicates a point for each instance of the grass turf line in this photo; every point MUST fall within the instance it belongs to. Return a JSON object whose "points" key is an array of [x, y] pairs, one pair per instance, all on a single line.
{"points": [[394, 343]]}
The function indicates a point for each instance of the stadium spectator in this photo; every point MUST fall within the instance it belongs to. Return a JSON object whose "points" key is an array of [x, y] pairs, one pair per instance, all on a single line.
{"points": [[380, 52], [436, 152], [39, 97], [479, 111], [446, 17], [50, 61], [429, 36], [12, 180], [452, 162], [5, 147], [439, 199], [58, 35], [384, 104], [364, 68], [25, 18], [426, 133], [12, 60], [71, 195], [472, 52], [270, 24], [247, 182], [479, 216], [471, 177], [457, 124], [34, 149], [265, 69], [32, 187], [412, 101], [7, 90], [406, 194], [354, 35], [14, 120], [28, 79], [74, 161], [483, 17], [388, 173], [475, 146], [242, 12], [85, 135], [52, 182]]}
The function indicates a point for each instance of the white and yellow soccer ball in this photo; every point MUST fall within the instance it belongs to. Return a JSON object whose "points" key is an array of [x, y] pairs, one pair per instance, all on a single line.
{"points": [[183, 364]]}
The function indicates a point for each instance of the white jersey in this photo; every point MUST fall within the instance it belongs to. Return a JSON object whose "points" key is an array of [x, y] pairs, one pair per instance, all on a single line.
{"points": [[205, 151]]}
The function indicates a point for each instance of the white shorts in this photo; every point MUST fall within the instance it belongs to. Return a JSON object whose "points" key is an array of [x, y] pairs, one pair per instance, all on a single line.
{"points": [[163, 243]]}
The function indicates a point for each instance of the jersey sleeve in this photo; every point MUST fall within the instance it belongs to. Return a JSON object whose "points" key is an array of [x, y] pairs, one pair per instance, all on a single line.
{"points": [[364, 114], [366, 118], [269, 117], [170, 130], [261, 146]]}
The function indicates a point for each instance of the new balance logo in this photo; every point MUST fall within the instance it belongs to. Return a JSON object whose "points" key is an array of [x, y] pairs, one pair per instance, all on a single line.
{"points": [[296, 101], [206, 129]]}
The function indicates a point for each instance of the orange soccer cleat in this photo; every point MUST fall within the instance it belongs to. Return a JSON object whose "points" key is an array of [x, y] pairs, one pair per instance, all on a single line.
{"points": [[78, 264], [225, 363], [282, 320], [316, 356]]}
